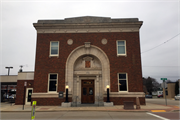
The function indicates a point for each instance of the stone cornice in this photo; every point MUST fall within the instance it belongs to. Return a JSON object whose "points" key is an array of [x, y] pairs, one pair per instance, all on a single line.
{"points": [[88, 24], [88, 28]]}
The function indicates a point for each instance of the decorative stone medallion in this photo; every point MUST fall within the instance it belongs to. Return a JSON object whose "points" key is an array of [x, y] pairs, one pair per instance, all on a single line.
{"points": [[104, 41], [70, 42]]}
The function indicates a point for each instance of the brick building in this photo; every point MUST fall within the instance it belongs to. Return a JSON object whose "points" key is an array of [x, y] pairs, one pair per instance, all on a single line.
{"points": [[87, 54]]}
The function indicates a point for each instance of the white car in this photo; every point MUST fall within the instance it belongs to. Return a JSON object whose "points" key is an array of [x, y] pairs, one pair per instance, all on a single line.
{"points": [[177, 97]]}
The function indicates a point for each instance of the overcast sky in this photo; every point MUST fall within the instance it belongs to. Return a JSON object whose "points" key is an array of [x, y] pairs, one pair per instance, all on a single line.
{"points": [[160, 23]]}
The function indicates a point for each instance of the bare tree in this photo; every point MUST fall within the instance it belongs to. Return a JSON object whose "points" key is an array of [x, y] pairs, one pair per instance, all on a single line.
{"points": [[151, 84]]}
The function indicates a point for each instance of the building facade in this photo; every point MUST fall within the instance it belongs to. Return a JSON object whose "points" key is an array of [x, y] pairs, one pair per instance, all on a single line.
{"points": [[8, 86], [87, 54]]}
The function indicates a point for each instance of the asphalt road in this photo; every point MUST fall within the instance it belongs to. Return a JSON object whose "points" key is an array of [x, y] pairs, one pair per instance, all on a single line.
{"points": [[88, 115], [161, 101], [97, 115]]}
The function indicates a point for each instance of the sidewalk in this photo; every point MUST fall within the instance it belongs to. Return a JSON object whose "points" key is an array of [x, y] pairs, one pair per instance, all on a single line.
{"points": [[117, 108]]}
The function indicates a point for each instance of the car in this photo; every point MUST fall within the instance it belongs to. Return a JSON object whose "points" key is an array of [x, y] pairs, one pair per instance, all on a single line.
{"points": [[177, 97], [148, 96], [12, 96], [160, 95]]}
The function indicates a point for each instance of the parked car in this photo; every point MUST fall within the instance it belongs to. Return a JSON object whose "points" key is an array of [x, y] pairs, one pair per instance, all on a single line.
{"points": [[177, 97], [160, 95], [148, 96], [12, 96]]}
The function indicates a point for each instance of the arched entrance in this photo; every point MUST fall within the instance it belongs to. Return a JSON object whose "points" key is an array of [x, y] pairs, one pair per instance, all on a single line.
{"points": [[87, 74]]}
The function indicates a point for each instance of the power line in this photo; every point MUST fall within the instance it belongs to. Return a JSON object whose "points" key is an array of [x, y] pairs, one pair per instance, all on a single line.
{"points": [[160, 44]]}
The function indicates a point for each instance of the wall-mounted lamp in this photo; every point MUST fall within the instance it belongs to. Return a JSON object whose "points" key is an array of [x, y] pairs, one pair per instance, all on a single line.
{"points": [[107, 93], [67, 94], [29, 84]]}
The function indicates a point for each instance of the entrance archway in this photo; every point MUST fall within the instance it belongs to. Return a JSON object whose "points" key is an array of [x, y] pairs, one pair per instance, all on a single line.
{"points": [[100, 76]]}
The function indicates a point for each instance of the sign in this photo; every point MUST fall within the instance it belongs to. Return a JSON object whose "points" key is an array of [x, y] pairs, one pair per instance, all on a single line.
{"points": [[33, 110], [25, 83], [61, 94], [163, 78], [162, 85]]}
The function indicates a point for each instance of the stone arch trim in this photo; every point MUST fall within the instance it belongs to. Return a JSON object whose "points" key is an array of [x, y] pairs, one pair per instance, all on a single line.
{"points": [[83, 50]]}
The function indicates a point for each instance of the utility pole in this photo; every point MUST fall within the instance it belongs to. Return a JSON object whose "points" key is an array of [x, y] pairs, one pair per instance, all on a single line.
{"points": [[8, 69]]}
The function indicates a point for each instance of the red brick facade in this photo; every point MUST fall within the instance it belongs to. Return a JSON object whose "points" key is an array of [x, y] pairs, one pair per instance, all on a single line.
{"points": [[120, 100], [20, 90], [50, 101], [130, 64]]}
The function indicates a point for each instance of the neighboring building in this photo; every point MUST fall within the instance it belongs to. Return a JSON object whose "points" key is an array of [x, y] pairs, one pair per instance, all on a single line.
{"points": [[159, 92], [170, 90], [8, 85], [87, 54], [22, 90]]}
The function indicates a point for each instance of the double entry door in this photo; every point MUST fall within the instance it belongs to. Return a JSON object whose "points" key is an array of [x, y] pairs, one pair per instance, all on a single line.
{"points": [[87, 91]]}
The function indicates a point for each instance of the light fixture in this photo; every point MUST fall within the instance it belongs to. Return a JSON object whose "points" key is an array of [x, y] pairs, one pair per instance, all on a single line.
{"points": [[107, 93], [67, 94]]}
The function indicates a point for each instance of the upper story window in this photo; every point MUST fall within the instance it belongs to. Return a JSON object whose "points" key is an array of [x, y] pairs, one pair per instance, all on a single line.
{"points": [[121, 47], [52, 84], [122, 80], [54, 48]]}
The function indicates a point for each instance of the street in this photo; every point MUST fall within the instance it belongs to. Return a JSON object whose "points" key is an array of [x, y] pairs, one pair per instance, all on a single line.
{"points": [[109, 115], [88, 115]]}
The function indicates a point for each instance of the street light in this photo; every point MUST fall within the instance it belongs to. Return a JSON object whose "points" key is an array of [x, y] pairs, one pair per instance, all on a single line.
{"points": [[107, 93], [67, 94], [8, 69]]}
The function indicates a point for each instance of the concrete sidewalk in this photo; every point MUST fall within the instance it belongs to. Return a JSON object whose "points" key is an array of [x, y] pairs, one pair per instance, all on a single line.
{"points": [[144, 108]]}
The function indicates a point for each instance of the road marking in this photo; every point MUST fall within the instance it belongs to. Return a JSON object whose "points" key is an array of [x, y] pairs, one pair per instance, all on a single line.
{"points": [[158, 116], [158, 111]]}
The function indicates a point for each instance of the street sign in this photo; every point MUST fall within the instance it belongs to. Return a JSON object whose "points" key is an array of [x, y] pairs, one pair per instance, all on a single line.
{"points": [[163, 78], [25, 83], [33, 110]]}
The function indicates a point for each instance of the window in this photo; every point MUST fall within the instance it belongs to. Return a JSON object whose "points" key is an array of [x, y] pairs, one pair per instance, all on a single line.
{"points": [[121, 47], [52, 87], [54, 48], [122, 79]]}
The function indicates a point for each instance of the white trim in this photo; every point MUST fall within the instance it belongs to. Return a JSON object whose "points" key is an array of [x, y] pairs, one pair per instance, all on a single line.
{"points": [[52, 55], [93, 50], [48, 95], [28, 103], [126, 82], [56, 83], [124, 48]]}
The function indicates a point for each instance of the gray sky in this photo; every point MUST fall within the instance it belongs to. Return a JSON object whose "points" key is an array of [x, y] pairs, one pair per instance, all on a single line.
{"points": [[160, 23]]}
